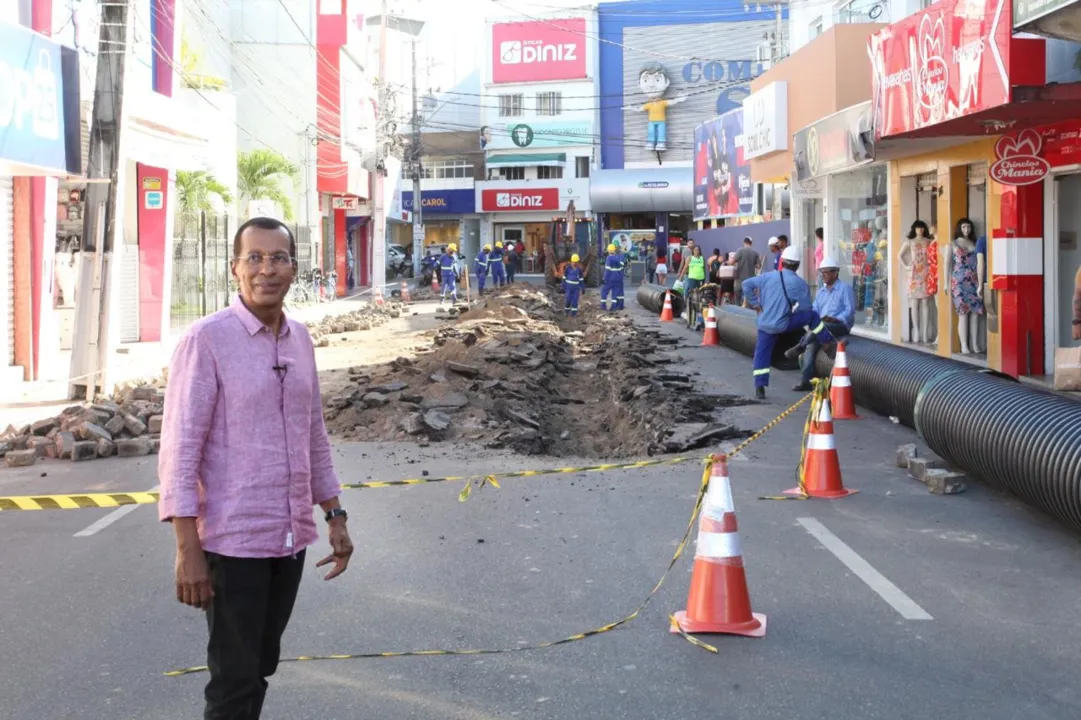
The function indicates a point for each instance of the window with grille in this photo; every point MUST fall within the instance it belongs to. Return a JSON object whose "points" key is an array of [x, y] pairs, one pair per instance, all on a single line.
{"points": [[510, 105], [511, 173], [545, 172], [448, 169], [549, 103]]}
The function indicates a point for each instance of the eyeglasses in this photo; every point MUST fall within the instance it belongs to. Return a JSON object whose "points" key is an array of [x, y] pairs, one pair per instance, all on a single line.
{"points": [[256, 259]]}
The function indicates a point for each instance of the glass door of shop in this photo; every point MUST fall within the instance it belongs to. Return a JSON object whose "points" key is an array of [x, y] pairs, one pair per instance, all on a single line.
{"points": [[1063, 267]]}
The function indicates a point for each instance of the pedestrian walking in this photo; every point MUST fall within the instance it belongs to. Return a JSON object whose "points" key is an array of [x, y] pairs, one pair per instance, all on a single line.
{"points": [[835, 303], [662, 267], [244, 457], [726, 279], [572, 286], [783, 302], [512, 262], [495, 262], [747, 264], [695, 269], [612, 284], [449, 274], [480, 267]]}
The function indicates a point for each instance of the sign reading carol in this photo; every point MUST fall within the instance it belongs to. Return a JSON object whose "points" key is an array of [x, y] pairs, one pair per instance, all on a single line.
{"points": [[32, 111]]}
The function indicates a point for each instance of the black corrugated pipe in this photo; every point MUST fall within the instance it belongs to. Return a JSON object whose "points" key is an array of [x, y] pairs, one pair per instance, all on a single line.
{"points": [[887, 378], [737, 328], [1024, 439], [651, 297]]}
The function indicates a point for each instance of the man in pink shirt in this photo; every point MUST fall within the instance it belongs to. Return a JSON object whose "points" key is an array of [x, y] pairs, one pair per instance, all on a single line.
{"points": [[244, 457]]}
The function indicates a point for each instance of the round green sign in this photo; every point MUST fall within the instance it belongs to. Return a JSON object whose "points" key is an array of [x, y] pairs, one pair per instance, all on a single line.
{"points": [[521, 135]]}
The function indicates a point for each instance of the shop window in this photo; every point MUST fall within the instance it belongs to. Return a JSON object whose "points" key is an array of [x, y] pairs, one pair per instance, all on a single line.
{"points": [[961, 256], [860, 239], [919, 259], [549, 103], [507, 173], [581, 167], [977, 196], [545, 172], [510, 105]]}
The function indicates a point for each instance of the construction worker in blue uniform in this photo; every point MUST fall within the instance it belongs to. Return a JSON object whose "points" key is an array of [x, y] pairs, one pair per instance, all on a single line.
{"points": [[782, 300], [481, 268], [495, 262], [449, 271], [572, 287], [612, 283]]}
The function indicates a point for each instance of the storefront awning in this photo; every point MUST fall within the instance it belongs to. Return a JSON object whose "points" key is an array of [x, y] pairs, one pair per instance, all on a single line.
{"points": [[665, 189], [528, 160]]}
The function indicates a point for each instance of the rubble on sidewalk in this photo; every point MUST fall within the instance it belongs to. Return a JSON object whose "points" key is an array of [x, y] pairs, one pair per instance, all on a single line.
{"points": [[513, 372], [364, 318]]}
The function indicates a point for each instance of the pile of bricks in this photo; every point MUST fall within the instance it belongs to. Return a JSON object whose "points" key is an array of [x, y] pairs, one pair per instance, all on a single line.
{"points": [[931, 471], [365, 318], [128, 426]]}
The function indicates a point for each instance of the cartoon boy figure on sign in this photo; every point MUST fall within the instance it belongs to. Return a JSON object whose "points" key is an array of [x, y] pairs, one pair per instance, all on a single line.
{"points": [[653, 81]]}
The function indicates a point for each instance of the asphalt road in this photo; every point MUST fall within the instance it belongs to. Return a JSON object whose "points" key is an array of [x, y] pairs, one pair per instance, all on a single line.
{"points": [[90, 623]]}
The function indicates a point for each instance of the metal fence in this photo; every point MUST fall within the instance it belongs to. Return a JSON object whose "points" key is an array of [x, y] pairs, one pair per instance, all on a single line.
{"points": [[202, 282]]}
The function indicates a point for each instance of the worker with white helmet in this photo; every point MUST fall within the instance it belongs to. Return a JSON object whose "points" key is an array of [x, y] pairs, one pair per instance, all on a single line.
{"points": [[774, 262], [783, 302], [572, 286], [495, 262], [480, 266], [835, 303], [448, 267]]}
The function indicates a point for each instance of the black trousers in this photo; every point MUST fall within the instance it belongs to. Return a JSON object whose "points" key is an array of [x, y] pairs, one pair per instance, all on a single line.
{"points": [[253, 599]]}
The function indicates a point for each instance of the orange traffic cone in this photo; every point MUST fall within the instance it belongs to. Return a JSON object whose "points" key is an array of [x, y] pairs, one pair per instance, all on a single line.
{"points": [[666, 311], [710, 336], [821, 464], [435, 283], [718, 601], [841, 397], [406, 298], [378, 292]]}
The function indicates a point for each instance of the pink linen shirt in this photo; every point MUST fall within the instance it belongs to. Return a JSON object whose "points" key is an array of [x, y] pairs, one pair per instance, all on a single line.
{"points": [[244, 448]]}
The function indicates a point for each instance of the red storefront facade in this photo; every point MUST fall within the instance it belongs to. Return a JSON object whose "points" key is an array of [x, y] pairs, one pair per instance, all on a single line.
{"points": [[955, 78]]}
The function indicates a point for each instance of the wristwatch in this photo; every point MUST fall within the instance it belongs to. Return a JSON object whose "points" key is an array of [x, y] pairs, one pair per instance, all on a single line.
{"points": [[337, 512]]}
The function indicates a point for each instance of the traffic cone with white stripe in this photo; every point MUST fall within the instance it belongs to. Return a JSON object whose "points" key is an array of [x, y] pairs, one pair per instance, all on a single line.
{"points": [[821, 464], [406, 297], [435, 283], [377, 291], [666, 311], [711, 336], [841, 398], [718, 601]]}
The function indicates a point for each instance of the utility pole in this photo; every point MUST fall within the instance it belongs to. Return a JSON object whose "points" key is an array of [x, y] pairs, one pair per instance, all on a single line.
{"points": [[415, 156], [778, 40], [90, 349], [377, 248]]}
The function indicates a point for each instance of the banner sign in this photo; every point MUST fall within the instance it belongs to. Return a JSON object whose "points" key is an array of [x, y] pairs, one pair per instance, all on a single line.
{"points": [[520, 200], [722, 174], [839, 142], [447, 202], [941, 63], [539, 51]]}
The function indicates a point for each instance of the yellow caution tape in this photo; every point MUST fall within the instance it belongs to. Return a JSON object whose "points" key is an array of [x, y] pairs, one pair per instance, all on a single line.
{"points": [[491, 479], [819, 395]]}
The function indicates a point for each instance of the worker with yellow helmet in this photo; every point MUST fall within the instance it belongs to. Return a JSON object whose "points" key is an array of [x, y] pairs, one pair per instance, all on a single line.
{"points": [[480, 266], [448, 267], [572, 286], [612, 285], [495, 262]]}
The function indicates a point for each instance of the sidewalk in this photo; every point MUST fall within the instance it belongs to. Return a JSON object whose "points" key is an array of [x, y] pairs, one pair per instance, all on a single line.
{"points": [[30, 401]]}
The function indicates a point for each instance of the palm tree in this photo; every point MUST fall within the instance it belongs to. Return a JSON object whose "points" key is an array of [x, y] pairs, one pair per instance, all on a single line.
{"points": [[195, 190], [260, 174]]}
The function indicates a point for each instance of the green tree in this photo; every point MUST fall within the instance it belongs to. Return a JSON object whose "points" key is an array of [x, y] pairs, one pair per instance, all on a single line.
{"points": [[260, 176], [195, 191], [191, 72]]}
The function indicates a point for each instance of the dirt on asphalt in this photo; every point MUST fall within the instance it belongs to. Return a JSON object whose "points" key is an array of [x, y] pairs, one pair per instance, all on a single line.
{"points": [[513, 372]]}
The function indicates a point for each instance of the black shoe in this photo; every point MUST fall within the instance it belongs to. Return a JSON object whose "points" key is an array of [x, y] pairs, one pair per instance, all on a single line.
{"points": [[793, 352], [803, 387], [760, 393], [831, 350]]}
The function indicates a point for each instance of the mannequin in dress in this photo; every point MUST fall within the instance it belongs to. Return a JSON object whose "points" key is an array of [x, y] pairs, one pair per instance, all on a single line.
{"points": [[879, 314], [964, 286], [916, 258]]}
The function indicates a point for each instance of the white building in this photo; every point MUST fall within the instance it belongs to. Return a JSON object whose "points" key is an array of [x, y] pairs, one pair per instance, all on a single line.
{"points": [[540, 126]]}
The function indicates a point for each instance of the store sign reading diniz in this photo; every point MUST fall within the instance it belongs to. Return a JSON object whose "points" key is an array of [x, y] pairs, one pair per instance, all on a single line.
{"points": [[538, 51], [942, 63], [519, 200]]}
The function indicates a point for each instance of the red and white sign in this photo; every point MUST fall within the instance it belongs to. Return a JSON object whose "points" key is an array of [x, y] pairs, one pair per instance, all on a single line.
{"points": [[519, 200], [538, 51], [1019, 159], [945, 62]]}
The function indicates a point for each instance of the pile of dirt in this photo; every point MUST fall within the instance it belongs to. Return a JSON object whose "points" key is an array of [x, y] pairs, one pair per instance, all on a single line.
{"points": [[514, 373]]}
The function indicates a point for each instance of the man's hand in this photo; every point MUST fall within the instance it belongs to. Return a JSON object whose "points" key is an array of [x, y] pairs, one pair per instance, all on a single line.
{"points": [[193, 578], [341, 549], [827, 318]]}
